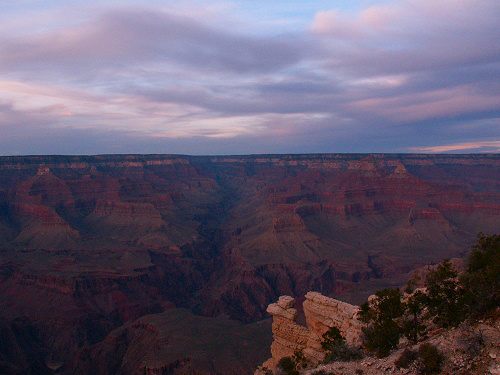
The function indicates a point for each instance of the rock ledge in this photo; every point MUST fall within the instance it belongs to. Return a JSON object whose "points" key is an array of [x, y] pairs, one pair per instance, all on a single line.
{"points": [[321, 313]]}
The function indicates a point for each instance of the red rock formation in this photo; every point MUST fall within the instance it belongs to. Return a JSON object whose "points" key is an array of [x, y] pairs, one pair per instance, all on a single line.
{"points": [[322, 313]]}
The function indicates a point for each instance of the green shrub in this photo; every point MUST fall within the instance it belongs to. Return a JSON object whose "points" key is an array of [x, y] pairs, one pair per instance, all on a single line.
{"points": [[332, 338], [288, 366], [431, 359], [406, 358], [449, 299], [300, 360], [343, 353], [381, 337], [387, 306]]}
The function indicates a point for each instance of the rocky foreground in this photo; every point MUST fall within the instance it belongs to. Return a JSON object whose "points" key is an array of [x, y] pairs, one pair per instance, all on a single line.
{"points": [[468, 349], [321, 313], [89, 244]]}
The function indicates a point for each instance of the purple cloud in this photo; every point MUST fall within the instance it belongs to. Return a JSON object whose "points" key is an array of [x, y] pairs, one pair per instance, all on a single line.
{"points": [[137, 36], [409, 36]]}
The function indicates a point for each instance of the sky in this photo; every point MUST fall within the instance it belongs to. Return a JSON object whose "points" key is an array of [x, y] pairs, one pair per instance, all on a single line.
{"points": [[249, 77]]}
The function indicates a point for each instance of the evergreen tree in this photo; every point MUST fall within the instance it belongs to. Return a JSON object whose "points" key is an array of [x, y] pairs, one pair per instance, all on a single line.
{"points": [[382, 332], [482, 279]]}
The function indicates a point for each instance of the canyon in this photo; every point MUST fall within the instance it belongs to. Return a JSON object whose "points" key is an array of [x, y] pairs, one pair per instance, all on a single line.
{"points": [[97, 251]]}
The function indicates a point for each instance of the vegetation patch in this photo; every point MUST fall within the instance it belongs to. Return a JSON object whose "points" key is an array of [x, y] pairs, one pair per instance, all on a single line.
{"points": [[382, 332], [447, 300]]}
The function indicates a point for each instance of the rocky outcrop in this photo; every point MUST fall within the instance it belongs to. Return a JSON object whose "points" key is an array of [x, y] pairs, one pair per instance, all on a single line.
{"points": [[322, 313]]}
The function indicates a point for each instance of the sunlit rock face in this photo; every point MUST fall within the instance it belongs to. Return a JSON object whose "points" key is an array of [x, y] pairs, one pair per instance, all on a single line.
{"points": [[322, 313]]}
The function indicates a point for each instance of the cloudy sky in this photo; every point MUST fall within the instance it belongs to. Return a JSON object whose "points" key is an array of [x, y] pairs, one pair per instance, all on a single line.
{"points": [[243, 76]]}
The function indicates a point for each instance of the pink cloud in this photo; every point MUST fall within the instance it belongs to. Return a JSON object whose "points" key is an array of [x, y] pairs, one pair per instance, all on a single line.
{"points": [[366, 24], [411, 35], [487, 146]]}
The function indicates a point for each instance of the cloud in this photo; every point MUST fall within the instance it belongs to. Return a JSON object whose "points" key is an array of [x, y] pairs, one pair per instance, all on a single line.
{"points": [[140, 36], [484, 146], [389, 78], [412, 36], [286, 97], [432, 104], [413, 62]]}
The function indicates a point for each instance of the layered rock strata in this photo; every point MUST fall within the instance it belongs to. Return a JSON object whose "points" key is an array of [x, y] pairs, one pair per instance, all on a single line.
{"points": [[322, 313]]}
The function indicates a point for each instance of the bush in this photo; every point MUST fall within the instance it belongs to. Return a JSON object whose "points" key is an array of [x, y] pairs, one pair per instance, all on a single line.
{"points": [[381, 337], [292, 365], [406, 359], [299, 359], [449, 299], [431, 359], [344, 353], [332, 338], [475, 294], [288, 366], [386, 306]]}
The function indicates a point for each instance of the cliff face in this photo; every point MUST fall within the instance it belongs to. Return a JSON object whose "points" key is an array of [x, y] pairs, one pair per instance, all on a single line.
{"points": [[110, 238], [322, 313]]}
